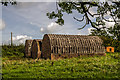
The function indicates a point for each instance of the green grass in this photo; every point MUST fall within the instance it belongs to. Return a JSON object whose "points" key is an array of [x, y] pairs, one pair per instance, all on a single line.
{"points": [[82, 67], [14, 51]]}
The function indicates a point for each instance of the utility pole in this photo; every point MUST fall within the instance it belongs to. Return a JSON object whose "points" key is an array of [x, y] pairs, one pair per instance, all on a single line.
{"points": [[11, 40]]}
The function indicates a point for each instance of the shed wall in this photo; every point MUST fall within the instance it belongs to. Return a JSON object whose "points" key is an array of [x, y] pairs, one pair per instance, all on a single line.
{"points": [[71, 44], [46, 47], [28, 44], [36, 48]]}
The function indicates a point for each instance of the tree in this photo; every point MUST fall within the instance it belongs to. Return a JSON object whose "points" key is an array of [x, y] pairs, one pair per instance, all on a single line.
{"points": [[103, 8], [7, 2], [102, 32], [110, 36], [115, 31]]}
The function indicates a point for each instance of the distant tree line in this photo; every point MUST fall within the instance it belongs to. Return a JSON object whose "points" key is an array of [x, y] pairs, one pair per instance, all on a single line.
{"points": [[110, 36], [13, 51]]}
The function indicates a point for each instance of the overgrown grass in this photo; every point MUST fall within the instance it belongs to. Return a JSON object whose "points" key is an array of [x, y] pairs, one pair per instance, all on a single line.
{"points": [[14, 51], [82, 67]]}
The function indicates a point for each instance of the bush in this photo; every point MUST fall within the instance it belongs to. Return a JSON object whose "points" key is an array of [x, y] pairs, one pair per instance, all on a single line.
{"points": [[14, 50], [108, 41]]}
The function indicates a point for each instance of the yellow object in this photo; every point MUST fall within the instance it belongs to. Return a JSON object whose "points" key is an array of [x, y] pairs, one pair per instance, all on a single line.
{"points": [[109, 49]]}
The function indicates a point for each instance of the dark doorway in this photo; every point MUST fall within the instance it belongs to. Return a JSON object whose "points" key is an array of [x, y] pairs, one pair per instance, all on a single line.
{"points": [[110, 49], [40, 44]]}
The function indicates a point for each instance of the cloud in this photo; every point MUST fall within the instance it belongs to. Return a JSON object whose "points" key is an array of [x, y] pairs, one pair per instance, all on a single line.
{"points": [[36, 0], [41, 29], [35, 24], [2, 24], [20, 39], [89, 30], [109, 24], [51, 28]]}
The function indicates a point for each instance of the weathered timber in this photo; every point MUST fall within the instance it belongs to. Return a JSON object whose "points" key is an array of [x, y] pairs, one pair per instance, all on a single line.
{"points": [[28, 44], [36, 48], [71, 45]]}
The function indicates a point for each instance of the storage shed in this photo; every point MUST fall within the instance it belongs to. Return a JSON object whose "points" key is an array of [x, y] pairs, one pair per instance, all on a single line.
{"points": [[28, 44], [109, 49], [56, 45], [36, 48]]}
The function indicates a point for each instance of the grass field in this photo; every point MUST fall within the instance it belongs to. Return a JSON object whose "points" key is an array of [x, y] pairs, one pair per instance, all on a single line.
{"points": [[82, 67]]}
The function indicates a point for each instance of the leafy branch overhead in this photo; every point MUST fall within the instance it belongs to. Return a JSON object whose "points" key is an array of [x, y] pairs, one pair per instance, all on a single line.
{"points": [[7, 2], [110, 36], [103, 8]]}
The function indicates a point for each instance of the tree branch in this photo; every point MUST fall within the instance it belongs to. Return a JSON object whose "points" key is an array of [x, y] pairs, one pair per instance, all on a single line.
{"points": [[79, 19], [106, 19], [90, 14], [57, 5], [83, 26]]}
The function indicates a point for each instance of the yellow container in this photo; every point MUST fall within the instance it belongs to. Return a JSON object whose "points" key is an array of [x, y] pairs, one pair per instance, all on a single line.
{"points": [[109, 49]]}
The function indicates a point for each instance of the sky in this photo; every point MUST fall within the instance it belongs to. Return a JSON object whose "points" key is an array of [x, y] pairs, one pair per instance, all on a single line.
{"points": [[28, 20]]}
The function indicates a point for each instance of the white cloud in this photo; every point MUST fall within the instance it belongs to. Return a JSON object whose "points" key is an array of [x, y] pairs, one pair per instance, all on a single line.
{"points": [[79, 33], [41, 29], [20, 39], [51, 28], [2, 24], [89, 30], [36, 0], [35, 24], [109, 24]]}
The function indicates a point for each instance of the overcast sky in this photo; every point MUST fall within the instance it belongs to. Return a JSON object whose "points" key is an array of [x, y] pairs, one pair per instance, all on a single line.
{"points": [[28, 20]]}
